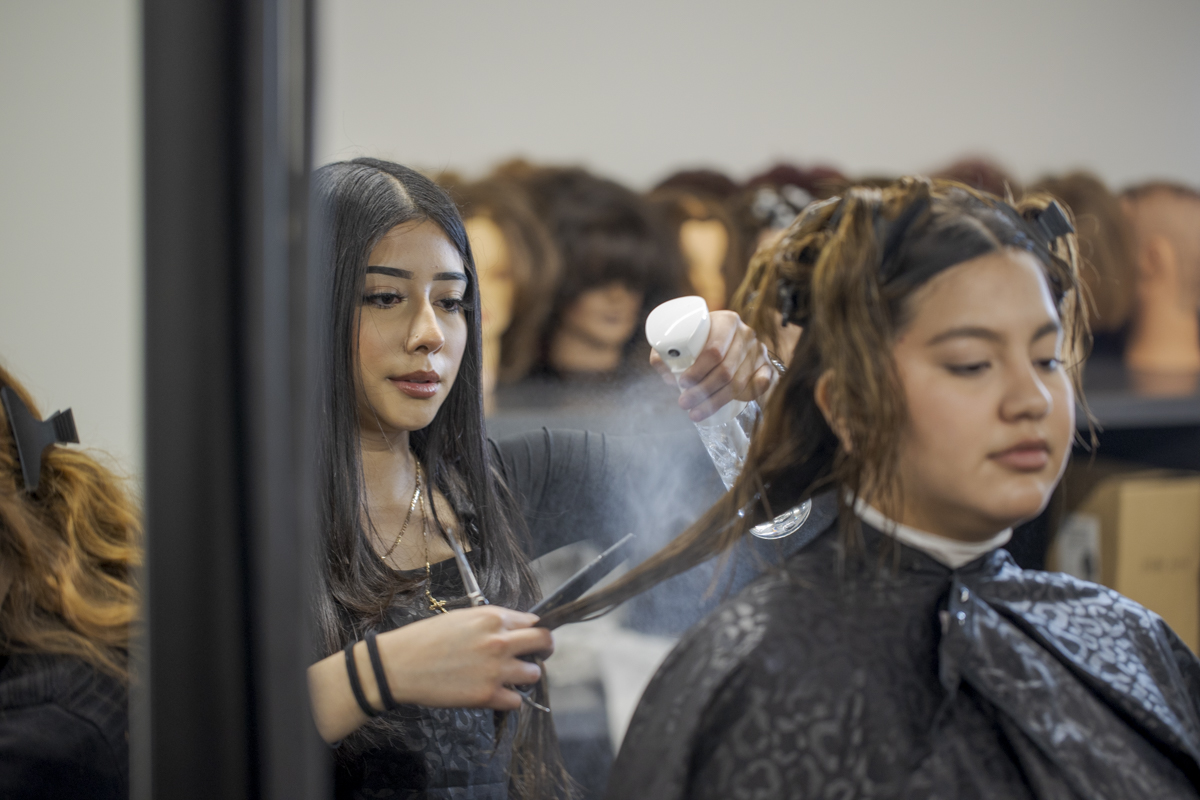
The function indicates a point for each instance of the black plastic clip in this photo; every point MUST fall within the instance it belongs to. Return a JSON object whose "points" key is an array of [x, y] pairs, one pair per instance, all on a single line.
{"points": [[1053, 221], [33, 436]]}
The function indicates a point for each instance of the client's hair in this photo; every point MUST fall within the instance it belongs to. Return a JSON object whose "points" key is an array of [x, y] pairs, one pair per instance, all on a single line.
{"points": [[68, 550], [846, 271]]}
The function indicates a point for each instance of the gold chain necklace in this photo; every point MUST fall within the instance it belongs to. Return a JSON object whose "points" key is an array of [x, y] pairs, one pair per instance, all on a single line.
{"points": [[411, 506], [434, 603]]}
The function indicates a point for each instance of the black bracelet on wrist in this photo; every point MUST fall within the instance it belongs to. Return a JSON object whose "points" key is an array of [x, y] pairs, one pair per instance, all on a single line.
{"points": [[385, 691], [355, 684]]}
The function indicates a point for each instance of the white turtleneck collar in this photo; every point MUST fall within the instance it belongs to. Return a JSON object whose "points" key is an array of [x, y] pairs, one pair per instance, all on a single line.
{"points": [[950, 552]]}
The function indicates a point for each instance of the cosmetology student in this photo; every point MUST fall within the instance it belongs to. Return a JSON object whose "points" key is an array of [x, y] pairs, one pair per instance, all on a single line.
{"points": [[903, 653], [68, 540], [407, 470]]}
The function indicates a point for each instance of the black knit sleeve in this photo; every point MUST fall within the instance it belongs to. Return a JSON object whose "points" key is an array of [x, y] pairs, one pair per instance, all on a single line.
{"points": [[575, 485]]}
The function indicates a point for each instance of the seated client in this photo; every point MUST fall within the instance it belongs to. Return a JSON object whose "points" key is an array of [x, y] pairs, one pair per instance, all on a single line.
{"points": [[903, 653]]}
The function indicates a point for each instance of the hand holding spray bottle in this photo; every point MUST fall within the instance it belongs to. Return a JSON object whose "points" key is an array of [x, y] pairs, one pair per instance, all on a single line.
{"points": [[677, 330]]}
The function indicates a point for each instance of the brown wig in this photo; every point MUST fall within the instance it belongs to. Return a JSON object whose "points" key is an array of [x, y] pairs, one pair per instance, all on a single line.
{"points": [[67, 552], [982, 174], [847, 270], [605, 234], [1105, 246], [677, 206], [701, 183], [533, 258], [1143, 190]]}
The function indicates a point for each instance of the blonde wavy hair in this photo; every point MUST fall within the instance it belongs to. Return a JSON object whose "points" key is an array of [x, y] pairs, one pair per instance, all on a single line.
{"points": [[66, 553]]}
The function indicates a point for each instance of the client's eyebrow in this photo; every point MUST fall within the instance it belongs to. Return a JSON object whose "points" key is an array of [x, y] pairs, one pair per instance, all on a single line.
{"points": [[974, 332], [407, 275], [966, 332]]}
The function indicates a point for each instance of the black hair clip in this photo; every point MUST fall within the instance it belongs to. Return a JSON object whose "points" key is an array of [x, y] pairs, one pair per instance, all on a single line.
{"points": [[1053, 221], [33, 436]]}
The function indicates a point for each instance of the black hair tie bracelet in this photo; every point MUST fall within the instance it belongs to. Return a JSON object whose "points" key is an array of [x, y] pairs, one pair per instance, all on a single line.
{"points": [[385, 691], [355, 684]]}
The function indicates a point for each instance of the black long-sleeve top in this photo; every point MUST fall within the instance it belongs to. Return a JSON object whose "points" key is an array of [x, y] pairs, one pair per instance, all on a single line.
{"points": [[64, 730]]}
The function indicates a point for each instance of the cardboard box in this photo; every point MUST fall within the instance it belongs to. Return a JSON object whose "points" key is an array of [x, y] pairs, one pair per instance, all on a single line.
{"points": [[1139, 533]]}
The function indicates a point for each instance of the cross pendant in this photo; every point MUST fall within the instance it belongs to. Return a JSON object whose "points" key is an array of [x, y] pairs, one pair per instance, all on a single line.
{"points": [[436, 605]]}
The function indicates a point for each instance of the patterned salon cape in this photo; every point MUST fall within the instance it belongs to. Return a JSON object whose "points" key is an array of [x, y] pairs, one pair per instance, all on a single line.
{"points": [[893, 676]]}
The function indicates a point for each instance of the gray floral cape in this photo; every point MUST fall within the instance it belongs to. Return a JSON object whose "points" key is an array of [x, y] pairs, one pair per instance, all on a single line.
{"points": [[876, 672]]}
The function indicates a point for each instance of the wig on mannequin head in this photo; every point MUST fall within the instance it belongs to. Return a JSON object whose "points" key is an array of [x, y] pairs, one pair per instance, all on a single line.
{"points": [[982, 174], [533, 259], [360, 201], [66, 554], [846, 271], [700, 183], [605, 234], [1108, 268], [678, 207]]}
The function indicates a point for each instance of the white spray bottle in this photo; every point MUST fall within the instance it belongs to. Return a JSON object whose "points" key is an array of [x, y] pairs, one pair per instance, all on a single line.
{"points": [[677, 330]]}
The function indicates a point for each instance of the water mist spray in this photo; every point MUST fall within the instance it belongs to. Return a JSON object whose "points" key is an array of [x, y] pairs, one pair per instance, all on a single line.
{"points": [[677, 330]]}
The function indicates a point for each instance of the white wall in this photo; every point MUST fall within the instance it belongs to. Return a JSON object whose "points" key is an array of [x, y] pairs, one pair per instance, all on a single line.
{"points": [[70, 231], [635, 88], [632, 87]]}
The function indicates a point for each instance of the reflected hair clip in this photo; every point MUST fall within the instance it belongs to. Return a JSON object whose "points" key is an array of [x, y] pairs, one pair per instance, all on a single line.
{"points": [[33, 436]]}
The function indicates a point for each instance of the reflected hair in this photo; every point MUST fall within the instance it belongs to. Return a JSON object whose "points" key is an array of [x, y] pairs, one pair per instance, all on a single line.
{"points": [[67, 553], [847, 271]]}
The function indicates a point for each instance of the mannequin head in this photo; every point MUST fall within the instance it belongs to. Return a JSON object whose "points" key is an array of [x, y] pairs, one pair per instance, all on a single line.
{"points": [[1105, 247], [1164, 334], [982, 174], [707, 240], [701, 183], [617, 263], [519, 270]]}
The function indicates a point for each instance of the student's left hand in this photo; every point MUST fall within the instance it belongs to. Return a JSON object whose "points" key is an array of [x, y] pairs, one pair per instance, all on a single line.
{"points": [[732, 366]]}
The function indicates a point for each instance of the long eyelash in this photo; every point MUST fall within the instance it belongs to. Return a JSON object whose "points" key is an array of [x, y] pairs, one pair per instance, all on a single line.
{"points": [[377, 297]]}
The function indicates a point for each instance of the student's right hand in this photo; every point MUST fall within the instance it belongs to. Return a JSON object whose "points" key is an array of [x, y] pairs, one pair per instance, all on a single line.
{"points": [[467, 658]]}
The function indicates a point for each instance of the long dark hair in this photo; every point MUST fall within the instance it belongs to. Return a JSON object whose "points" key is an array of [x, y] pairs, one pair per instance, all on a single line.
{"points": [[846, 270], [361, 201]]}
